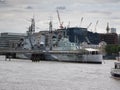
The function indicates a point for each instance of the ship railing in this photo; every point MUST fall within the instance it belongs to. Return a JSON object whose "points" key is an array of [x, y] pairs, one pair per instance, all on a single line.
{"points": [[38, 51]]}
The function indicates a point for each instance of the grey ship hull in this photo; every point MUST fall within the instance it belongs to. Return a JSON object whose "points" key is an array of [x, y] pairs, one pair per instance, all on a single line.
{"points": [[75, 58], [67, 57]]}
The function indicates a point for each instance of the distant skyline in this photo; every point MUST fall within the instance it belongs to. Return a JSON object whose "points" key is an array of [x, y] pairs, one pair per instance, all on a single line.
{"points": [[15, 15]]}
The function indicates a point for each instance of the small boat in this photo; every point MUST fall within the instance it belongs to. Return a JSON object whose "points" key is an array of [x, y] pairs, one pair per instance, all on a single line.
{"points": [[115, 72]]}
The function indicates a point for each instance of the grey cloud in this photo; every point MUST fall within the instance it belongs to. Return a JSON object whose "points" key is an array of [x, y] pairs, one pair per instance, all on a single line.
{"points": [[116, 18], [115, 0], [2, 1], [29, 7], [108, 1], [45, 8], [101, 12], [49, 2]]}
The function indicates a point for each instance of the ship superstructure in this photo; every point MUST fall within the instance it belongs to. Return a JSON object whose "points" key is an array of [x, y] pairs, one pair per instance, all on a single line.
{"points": [[31, 42]]}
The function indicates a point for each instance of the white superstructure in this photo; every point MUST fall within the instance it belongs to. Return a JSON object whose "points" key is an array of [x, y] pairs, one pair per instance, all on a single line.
{"points": [[92, 55]]}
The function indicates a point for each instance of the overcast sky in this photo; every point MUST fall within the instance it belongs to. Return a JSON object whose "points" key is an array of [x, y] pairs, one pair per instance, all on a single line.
{"points": [[15, 15]]}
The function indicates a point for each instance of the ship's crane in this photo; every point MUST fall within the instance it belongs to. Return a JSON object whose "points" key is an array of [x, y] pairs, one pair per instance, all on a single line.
{"points": [[61, 23], [96, 25]]}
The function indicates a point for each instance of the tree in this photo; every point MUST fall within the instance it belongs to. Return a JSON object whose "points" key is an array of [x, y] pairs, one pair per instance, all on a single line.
{"points": [[112, 49]]}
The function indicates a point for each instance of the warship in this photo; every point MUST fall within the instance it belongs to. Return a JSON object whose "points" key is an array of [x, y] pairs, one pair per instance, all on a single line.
{"points": [[58, 42]]}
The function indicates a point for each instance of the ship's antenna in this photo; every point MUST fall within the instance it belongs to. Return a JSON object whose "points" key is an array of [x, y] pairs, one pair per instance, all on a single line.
{"points": [[32, 26]]}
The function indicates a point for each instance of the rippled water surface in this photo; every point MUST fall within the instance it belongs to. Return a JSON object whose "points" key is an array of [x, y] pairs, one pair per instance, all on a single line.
{"points": [[26, 75]]}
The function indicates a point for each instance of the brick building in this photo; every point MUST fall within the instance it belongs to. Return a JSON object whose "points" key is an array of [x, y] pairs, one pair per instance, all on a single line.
{"points": [[109, 38]]}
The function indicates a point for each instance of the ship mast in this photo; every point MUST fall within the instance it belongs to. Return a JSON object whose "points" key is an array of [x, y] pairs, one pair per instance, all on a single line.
{"points": [[32, 26], [31, 31]]}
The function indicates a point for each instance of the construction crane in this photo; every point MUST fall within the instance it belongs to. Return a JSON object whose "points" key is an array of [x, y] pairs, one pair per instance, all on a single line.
{"points": [[81, 21], [107, 28], [68, 24], [61, 23], [86, 36], [89, 25], [96, 25]]}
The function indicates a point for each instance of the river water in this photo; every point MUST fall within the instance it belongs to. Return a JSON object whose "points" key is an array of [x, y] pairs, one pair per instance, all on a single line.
{"points": [[46, 75]]}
